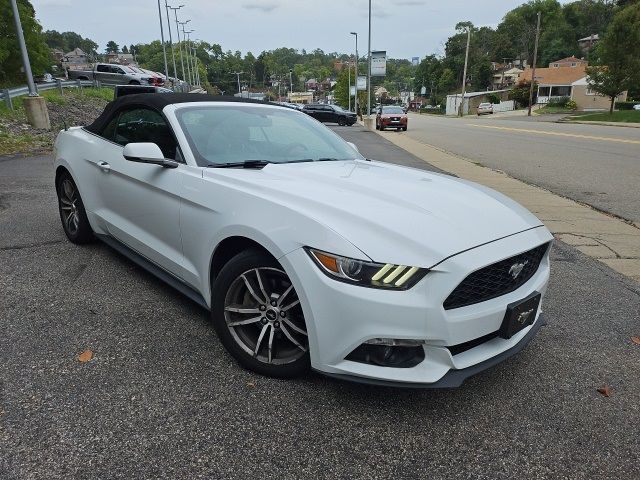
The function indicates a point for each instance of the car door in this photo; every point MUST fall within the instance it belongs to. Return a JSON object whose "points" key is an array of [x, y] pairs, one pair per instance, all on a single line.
{"points": [[103, 74], [140, 203], [329, 114]]}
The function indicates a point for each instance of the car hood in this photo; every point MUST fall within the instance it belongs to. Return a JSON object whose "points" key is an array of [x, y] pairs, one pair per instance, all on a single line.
{"points": [[392, 214]]}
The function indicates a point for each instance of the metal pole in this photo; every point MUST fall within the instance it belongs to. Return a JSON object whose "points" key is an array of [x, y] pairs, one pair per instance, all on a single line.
{"points": [[164, 47], [464, 74], [195, 60], [175, 12], [290, 83], [173, 54], [369, 68], [186, 51], [192, 75], [349, 89], [23, 50], [533, 70], [355, 99]]}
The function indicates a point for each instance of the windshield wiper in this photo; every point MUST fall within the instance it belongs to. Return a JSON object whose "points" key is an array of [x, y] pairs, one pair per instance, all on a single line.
{"points": [[245, 164]]}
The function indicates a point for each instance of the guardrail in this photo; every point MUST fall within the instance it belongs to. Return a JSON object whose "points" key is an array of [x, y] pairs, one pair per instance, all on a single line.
{"points": [[9, 93]]}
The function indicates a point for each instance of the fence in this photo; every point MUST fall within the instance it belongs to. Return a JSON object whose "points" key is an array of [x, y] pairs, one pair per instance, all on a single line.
{"points": [[10, 93]]}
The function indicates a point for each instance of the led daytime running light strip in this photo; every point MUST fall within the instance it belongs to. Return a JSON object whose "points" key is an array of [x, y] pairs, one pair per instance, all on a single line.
{"points": [[396, 270]]}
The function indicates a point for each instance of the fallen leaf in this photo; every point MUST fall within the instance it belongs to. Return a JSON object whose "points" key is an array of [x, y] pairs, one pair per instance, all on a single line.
{"points": [[636, 340], [251, 384], [606, 391], [85, 356]]}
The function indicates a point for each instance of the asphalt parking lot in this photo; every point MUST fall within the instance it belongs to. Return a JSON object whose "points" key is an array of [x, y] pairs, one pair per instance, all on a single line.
{"points": [[162, 399]]}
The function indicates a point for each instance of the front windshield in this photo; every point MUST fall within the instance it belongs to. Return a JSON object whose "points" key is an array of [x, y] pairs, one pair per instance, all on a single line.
{"points": [[392, 110], [223, 134]]}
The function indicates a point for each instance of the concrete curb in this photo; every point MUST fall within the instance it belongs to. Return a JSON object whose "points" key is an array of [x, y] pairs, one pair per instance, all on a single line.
{"points": [[608, 124], [611, 240]]}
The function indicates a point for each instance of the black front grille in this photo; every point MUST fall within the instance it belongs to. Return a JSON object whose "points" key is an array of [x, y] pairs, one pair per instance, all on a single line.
{"points": [[496, 280]]}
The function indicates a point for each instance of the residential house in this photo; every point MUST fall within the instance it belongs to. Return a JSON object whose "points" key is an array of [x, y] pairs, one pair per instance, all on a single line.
{"points": [[506, 77], [587, 99], [311, 85], [75, 57], [568, 62], [555, 82], [587, 43], [57, 54]]}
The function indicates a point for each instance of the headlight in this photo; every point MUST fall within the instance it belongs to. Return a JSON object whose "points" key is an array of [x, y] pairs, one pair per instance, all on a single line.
{"points": [[367, 274]]}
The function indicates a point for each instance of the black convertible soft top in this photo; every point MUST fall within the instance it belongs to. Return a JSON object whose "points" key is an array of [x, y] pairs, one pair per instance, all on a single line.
{"points": [[157, 101]]}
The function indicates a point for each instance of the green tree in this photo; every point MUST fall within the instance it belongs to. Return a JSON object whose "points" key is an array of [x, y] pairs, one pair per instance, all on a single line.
{"points": [[10, 59], [520, 93], [112, 47], [125, 49], [618, 54]]}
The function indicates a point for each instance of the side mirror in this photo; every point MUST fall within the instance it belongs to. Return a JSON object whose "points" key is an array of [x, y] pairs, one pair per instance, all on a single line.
{"points": [[147, 152], [353, 145]]}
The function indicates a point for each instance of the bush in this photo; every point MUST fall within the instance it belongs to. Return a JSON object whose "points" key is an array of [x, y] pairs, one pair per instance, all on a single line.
{"points": [[571, 105], [626, 105], [493, 98], [559, 102]]}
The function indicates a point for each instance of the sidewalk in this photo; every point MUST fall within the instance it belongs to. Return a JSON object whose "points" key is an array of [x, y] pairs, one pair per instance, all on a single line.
{"points": [[608, 239]]}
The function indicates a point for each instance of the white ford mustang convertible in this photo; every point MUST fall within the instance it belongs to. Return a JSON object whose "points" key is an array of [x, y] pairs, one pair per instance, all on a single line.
{"points": [[307, 254]]}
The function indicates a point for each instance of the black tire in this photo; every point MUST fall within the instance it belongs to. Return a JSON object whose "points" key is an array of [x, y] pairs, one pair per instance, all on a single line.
{"points": [[230, 292], [404, 129], [381, 127], [377, 126], [342, 121], [72, 213], [134, 82]]}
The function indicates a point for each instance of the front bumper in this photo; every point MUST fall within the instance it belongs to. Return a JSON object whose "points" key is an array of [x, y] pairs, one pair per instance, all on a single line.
{"points": [[340, 317]]}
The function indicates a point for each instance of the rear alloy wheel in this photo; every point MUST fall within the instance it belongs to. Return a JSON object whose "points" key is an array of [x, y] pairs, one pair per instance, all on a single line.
{"points": [[342, 121], [258, 316], [134, 82], [72, 213]]}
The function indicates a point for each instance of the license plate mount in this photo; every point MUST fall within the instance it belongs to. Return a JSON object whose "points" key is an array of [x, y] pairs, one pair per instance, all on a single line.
{"points": [[520, 315]]}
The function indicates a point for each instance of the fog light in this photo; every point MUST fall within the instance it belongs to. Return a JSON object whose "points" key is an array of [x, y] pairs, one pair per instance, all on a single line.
{"points": [[389, 354]]}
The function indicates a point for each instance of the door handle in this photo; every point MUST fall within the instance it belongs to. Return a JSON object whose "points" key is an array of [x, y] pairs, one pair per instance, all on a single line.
{"points": [[104, 166]]}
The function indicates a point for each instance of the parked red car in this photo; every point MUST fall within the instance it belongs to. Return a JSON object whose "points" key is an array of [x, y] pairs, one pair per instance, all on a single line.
{"points": [[392, 117]]}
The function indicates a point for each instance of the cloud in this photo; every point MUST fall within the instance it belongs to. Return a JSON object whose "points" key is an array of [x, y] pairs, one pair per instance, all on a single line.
{"points": [[268, 8], [410, 3]]}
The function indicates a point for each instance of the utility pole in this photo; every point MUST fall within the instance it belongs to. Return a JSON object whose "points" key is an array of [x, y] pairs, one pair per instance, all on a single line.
{"points": [[173, 55], [355, 99], [164, 47], [464, 74], [186, 50], [237, 74], [175, 12], [290, 82], [349, 89], [533, 70], [369, 123]]}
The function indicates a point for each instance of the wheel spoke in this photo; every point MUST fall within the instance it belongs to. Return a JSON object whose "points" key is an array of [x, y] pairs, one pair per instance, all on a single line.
{"points": [[291, 339], [69, 221], [290, 306], [262, 332], [251, 291], [239, 309], [66, 209], [246, 321], [271, 332], [264, 292], [65, 201], [294, 327], [68, 189], [284, 295]]}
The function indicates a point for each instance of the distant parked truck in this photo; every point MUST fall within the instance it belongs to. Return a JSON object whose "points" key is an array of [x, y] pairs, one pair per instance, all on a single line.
{"points": [[112, 74]]}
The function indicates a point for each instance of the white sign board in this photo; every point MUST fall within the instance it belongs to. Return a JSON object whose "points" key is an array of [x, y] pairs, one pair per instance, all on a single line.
{"points": [[352, 91], [362, 82], [378, 63], [423, 90]]}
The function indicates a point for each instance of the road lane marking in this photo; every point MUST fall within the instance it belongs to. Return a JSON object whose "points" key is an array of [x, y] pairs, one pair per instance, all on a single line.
{"points": [[557, 134]]}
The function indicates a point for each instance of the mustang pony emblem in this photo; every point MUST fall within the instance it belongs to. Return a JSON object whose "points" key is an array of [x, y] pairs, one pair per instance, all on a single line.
{"points": [[516, 268], [524, 316]]}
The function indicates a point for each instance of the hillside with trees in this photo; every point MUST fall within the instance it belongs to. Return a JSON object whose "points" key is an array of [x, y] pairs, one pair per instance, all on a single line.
{"points": [[512, 41]]}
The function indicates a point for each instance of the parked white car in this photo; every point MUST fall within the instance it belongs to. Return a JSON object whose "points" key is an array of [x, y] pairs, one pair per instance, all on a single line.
{"points": [[306, 253], [485, 108]]}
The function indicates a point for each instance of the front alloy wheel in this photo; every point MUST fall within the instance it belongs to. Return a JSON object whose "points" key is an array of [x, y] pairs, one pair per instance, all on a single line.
{"points": [[258, 316], [72, 213]]}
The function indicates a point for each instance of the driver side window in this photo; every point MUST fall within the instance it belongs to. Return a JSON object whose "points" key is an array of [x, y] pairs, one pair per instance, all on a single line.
{"points": [[141, 125]]}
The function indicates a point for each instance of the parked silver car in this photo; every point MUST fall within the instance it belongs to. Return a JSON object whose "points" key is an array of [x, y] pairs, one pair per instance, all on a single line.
{"points": [[112, 74]]}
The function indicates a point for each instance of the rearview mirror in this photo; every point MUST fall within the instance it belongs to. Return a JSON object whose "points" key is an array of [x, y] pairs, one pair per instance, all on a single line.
{"points": [[147, 152], [353, 145]]}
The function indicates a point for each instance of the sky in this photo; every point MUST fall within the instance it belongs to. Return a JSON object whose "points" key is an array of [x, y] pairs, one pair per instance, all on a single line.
{"points": [[404, 28]]}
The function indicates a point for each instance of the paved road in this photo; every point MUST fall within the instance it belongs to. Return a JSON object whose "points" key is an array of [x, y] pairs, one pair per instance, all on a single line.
{"points": [[596, 165], [161, 398]]}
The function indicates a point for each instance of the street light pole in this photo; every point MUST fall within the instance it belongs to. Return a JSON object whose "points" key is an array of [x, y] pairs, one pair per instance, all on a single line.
{"points": [[173, 55], [164, 47], [464, 74], [186, 50], [369, 74], [237, 74], [175, 12], [355, 98], [533, 71], [349, 89], [290, 82], [23, 50]]}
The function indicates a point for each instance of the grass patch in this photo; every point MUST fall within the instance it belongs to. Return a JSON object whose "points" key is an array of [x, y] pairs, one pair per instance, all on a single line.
{"points": [[624, 116], [11, 143], [548, 110], [70, 95]]}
